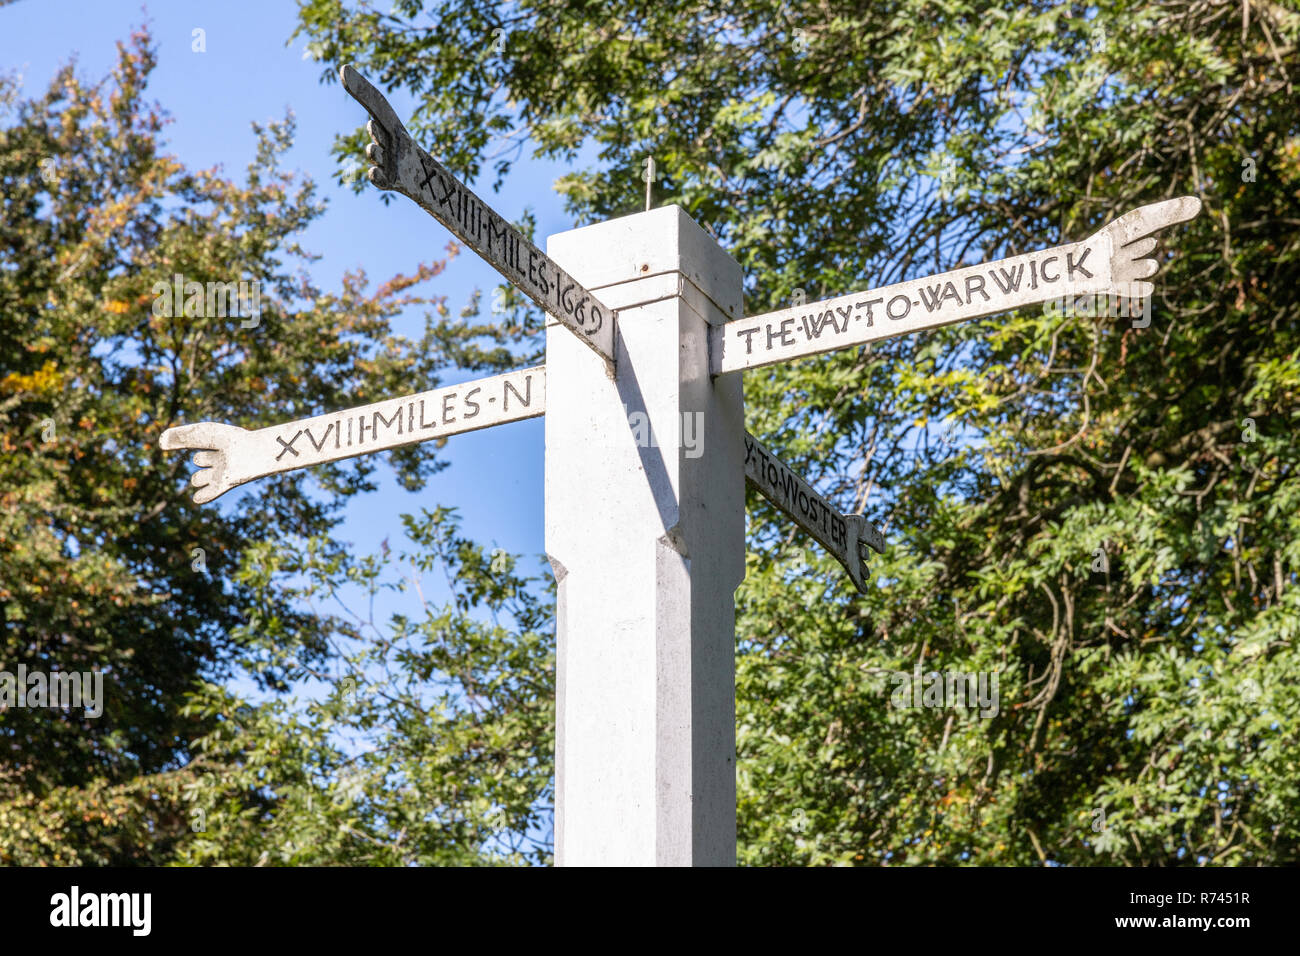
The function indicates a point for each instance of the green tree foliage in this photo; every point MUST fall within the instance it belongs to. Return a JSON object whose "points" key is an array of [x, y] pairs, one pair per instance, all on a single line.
{"points": [[427, 739], [1148, 712], [105, 564]]}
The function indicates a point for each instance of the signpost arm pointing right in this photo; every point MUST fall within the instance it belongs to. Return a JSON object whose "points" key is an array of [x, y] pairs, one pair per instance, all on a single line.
{"points": [[1115, 260]]}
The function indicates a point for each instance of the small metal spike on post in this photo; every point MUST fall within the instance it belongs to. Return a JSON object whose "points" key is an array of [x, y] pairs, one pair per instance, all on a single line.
{"points": [[649, 176]]}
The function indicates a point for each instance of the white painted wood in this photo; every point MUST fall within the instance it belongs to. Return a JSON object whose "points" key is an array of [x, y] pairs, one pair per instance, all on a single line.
{"points": [[1115, 259], [402, 166], [846, 537], [648, 545], [229, 456]]}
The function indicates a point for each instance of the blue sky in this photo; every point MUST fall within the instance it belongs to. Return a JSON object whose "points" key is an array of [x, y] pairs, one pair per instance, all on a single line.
{"points": [[248, 73]]}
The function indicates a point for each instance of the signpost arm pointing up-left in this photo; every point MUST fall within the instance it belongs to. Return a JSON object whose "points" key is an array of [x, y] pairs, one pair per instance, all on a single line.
{"points": [[400, 165]]}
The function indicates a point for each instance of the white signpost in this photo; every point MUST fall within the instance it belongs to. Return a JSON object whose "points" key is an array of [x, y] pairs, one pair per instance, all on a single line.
{"points": [[647, 541]]}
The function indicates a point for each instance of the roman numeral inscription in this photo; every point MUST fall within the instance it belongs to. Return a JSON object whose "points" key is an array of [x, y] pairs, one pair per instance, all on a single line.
{"points": [[401, 165], [228, 455], [1115, 259], [846, 537]]}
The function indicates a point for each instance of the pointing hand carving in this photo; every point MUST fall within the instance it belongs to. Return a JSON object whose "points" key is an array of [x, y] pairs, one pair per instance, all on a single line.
{"points": [[391, 146], [215, 444], [1132, 242]]}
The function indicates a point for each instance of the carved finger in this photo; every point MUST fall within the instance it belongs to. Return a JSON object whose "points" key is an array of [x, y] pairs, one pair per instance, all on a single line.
{"points": [[208, 435], [1145, 220], [183, 436], [206, 494], [1136, 269], [208, 459], [1141, 248], [375, 153], [202, 477], [1145, 268], [1140, 290], [360, 89]]}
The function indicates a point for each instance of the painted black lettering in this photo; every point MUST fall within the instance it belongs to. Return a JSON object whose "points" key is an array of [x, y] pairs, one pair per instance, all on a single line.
{"points": [[889, 307], [428, 173], [749, 338], [318, 445], [287, 446], [820, 322], [1071, 267], [525, 399], [498, 235], [388, 422], [1010, 279], [930, 297], [782, 333], [867, 304], [448, 187]]}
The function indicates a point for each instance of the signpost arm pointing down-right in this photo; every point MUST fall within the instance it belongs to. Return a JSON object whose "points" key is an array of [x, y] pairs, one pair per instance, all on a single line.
{"points": [[846, 537]]}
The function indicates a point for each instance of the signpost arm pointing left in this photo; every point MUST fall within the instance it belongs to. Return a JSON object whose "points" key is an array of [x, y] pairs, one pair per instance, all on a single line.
{"points": [[229, 456], [400, 165]]}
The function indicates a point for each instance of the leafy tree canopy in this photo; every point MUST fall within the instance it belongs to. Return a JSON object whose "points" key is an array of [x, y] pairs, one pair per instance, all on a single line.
{"points": [[1147, 714], [105, 564]]}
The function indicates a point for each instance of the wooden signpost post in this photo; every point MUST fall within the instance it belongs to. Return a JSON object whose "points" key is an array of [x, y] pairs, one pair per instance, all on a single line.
{"points": [[647, 542]]}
